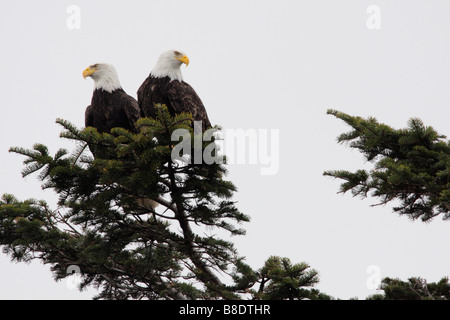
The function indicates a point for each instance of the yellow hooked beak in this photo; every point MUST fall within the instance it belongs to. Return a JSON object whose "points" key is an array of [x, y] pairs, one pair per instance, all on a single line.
{"points": [[184, 59], [88, 72]]}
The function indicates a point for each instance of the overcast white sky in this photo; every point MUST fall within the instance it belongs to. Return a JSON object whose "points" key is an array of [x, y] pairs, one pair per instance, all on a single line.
{"points": [[256, 65]]}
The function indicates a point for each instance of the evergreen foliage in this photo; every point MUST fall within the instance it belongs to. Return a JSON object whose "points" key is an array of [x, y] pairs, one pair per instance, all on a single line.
{"points": [[411, 165], [106, 223], [415, 288], [280, 279]]}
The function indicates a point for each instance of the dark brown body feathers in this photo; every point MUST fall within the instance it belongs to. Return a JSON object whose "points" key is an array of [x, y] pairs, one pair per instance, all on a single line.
{"points": [[177, 96], [111, 110]]}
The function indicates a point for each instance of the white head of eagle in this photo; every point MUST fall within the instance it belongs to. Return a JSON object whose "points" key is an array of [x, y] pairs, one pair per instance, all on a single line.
{"points": [[104, 75], [111, 106], [169, 64], [165, 85]]}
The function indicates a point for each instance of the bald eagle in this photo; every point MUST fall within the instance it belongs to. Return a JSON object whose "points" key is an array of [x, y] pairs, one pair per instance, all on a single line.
{"points": [[165, 85], [111, 106]]}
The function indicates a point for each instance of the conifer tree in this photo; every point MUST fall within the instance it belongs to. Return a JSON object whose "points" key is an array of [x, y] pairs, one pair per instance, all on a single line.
{"points": [[107, 225], [415, 288], [411, 165], [280, 279]]}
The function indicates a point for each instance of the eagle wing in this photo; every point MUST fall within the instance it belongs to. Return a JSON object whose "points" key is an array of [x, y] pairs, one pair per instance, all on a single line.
{"points": [[112, 110], [183, 98], [145, 102], [130, 107], [88, 117]]}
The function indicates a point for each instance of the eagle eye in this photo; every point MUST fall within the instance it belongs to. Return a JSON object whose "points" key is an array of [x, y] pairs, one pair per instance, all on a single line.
{"points": [[177, 53]]}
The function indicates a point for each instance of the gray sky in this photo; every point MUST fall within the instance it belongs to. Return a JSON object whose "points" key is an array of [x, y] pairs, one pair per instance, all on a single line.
{"points": [[256, 65]]}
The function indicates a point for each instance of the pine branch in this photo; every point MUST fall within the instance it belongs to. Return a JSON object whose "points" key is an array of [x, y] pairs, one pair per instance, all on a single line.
{"points": [[127, 249], [412, 165]]}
